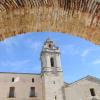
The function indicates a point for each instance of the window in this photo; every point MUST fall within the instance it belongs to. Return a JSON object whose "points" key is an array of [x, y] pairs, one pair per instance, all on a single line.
{"points": [[32, 92], [55, 97], [52, 62], [33, 80], [12, 92], [13, 79], [92, 92], [54, 82]]}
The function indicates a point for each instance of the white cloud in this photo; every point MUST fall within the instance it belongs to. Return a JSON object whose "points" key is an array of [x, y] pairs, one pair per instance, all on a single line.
{"points": [[97, 61], [35, 45], [70, 49], [85, 53], [10, 42], [20, 66], [14, 63], [32, 44], [8, 45]]}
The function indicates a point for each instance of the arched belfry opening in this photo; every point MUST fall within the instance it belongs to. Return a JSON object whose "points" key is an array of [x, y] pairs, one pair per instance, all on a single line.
{"points": [[52, 61]]}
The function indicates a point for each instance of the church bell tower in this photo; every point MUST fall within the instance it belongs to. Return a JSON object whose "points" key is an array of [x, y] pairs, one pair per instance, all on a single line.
{"points": [[50, 58], [51, 71]]}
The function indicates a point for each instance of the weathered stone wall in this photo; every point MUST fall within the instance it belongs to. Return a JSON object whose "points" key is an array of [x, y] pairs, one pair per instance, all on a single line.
{"points": [[77, 17], [53, 86], [81, 90], [22, 85]]}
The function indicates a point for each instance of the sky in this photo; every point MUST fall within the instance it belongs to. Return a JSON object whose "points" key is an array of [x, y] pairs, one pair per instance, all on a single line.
{"points": [[21, 54]]}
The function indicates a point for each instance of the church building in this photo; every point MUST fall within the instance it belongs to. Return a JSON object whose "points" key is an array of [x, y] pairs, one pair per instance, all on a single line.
{"points": [[49, 84]]}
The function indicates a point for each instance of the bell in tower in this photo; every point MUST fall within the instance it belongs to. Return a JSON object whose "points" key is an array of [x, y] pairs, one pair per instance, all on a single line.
{"points": [[50, 57]]}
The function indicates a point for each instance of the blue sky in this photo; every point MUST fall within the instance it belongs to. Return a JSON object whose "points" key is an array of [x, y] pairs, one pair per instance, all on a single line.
{"points": [[22, 54]]}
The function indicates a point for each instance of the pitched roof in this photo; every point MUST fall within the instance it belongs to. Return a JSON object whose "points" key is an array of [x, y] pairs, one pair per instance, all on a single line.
{"points": [[19, 73], [66, 84], [89, 78]]}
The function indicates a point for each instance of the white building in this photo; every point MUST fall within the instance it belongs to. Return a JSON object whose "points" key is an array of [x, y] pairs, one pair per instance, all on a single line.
{"points": [[49, 84]]}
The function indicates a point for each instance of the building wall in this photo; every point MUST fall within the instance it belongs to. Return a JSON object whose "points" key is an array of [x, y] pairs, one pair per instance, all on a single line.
{"points": [[81, 90], [47, 87], [22, 85], [53, 85]]}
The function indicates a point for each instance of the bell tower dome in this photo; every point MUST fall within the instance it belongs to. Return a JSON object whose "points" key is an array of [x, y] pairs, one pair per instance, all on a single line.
{"points": [[50, 57]]}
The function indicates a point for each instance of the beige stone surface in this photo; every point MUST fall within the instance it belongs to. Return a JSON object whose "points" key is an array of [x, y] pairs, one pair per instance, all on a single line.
{"points": [[22, 85], [81, 90]]}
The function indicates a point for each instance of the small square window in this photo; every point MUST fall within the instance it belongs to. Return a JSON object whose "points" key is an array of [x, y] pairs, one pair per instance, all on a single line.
{"points": [[32, 92], [92, 91], [12, 92]]}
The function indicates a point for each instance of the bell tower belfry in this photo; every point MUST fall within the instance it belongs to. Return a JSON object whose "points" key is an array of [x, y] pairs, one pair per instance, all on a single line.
{"points": [[51, 71], [50, 58]]}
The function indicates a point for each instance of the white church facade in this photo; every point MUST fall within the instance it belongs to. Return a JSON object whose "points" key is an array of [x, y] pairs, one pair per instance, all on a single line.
{"points": [[49, 84]]}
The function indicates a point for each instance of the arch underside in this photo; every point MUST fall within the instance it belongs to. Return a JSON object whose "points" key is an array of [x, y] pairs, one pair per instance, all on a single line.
{"points": [[77, 17]]}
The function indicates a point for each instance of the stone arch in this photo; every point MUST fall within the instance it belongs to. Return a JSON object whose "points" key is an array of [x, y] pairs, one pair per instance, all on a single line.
{"points": [[77, 17]]}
